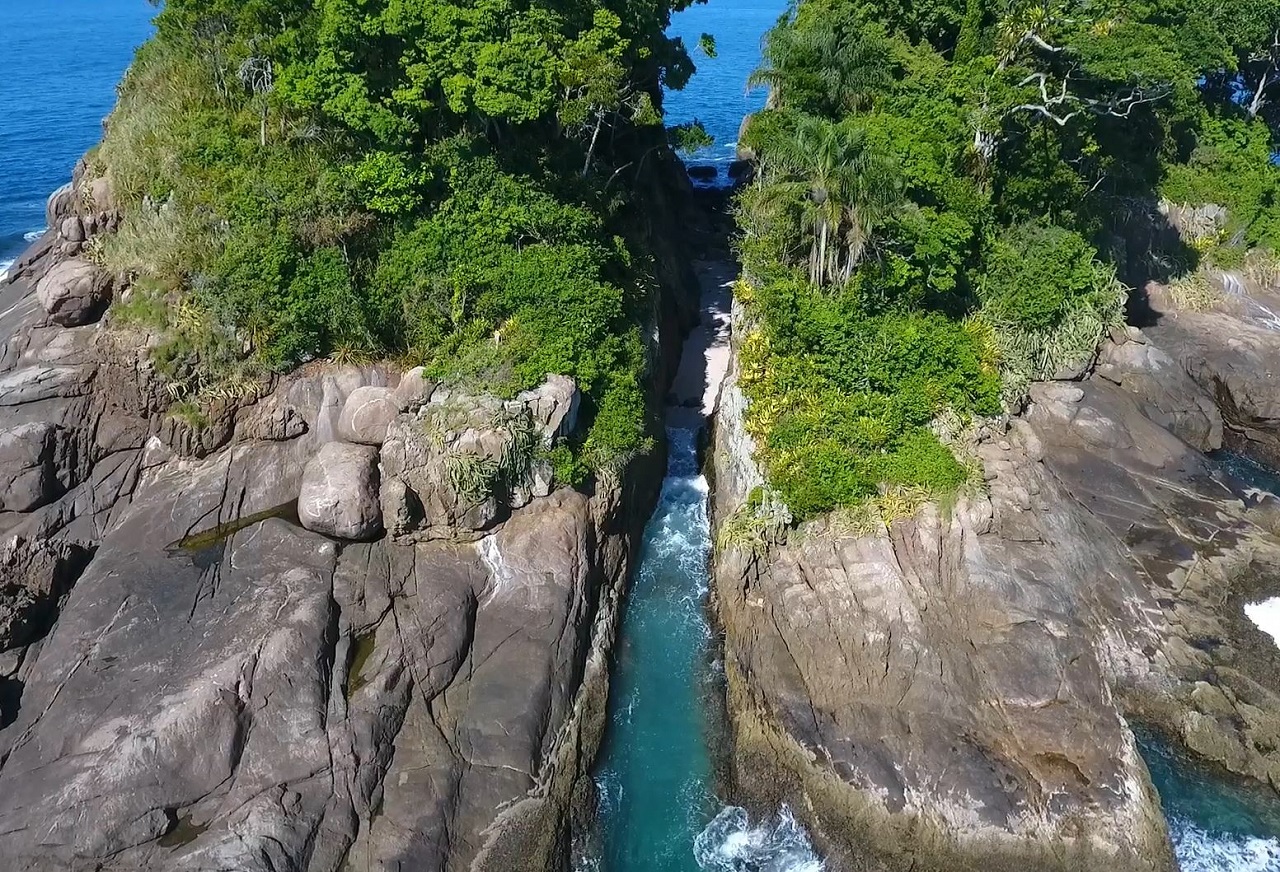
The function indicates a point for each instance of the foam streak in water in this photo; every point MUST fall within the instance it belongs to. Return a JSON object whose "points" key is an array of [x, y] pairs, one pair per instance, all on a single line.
{"points": [[731, 844]]}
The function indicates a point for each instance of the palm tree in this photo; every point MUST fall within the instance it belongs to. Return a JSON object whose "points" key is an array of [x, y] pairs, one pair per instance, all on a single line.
{"points": [[851, 187], [822, 68]]}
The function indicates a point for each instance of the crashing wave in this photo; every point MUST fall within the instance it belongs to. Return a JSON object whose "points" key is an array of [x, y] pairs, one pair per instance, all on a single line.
{"points": [[33, 235], [731, 844], [1199, 850]]}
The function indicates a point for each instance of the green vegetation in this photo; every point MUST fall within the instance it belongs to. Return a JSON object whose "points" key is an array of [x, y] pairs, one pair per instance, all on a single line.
{"points": [[456, 183], [939, 215]]}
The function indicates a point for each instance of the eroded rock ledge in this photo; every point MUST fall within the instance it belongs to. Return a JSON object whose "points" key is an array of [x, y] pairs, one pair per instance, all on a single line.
{"points": [[953, 692], [201, 668]]}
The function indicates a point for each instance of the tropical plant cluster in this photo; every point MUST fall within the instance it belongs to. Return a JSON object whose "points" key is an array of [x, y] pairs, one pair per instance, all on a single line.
{"points": [[451, 183], [949, 195]]}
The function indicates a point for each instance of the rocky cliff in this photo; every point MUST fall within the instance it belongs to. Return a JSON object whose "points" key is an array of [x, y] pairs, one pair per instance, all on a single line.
{"points": [[348, 619], [954, 691]]}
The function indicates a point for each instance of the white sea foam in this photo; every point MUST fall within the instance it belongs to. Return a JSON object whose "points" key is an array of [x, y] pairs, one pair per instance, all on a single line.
{"points": [[1201, 851], [4, 268], [34, 234], [1266, 617], [731, 844]]}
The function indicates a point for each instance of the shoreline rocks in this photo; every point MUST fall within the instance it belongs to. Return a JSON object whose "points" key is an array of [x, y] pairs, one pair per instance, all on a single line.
{"points": [[950, 692], [193, 678]]}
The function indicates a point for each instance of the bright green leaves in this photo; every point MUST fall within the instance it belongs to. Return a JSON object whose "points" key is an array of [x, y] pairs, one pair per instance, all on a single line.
{"points": [[386, 183], [515, 79], [1033, 273], [594, 73]]}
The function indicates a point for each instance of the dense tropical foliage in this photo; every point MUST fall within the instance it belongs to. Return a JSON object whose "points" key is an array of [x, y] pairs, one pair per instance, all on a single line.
{"points": [[947, 192], [452, 182]]}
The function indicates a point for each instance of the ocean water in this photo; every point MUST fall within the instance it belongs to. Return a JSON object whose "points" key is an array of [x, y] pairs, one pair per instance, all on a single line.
{"points": [[1216, 826], [717, 95], [61, 62], [657, 808]]}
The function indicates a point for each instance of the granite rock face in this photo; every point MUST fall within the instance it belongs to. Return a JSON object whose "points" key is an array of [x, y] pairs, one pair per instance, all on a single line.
{"points": [[1230, 352], [75, 292], [367, 414], [456, 466], [33, 465], [192, 680], [339, 495], [953, 691]]}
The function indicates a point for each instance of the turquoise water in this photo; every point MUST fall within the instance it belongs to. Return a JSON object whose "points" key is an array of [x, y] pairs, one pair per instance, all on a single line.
{"points": [[658, 810], [58, 74], [1216, 826]]}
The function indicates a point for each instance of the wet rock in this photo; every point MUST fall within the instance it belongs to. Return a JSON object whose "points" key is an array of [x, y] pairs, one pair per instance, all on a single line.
{"points": [[703, 172], [340, 492], [367, 414], [74, 292]]}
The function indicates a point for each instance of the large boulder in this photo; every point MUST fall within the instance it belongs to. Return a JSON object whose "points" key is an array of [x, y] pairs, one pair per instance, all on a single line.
{"points": [[340, 492], [415, 390], [33, 466], [367, 414], [74, 292], [554, 406]]}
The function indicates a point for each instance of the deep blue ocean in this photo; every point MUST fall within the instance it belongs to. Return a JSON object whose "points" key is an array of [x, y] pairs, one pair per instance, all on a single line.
{"points": [[717, 95], [57, 81]]}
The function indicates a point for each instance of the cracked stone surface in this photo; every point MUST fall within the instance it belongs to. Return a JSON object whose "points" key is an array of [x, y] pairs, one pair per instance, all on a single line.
{"points": [[954, 691], [204, 684]]}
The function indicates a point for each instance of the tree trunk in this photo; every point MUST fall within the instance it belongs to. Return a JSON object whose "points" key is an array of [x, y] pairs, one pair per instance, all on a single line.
{"points": [[1255, 105], [591, 149]]}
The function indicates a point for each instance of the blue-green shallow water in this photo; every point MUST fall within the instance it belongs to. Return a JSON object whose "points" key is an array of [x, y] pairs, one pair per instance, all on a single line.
{"points": [[1216, 826], [58, 74], [658, 811]]}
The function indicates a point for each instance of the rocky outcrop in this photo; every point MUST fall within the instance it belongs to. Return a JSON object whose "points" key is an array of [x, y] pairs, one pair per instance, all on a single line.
{"points": [[75, 292], [33, 465], [339, 493], [952, 691], [455, 467], [1230, 352], [200, 669]]}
